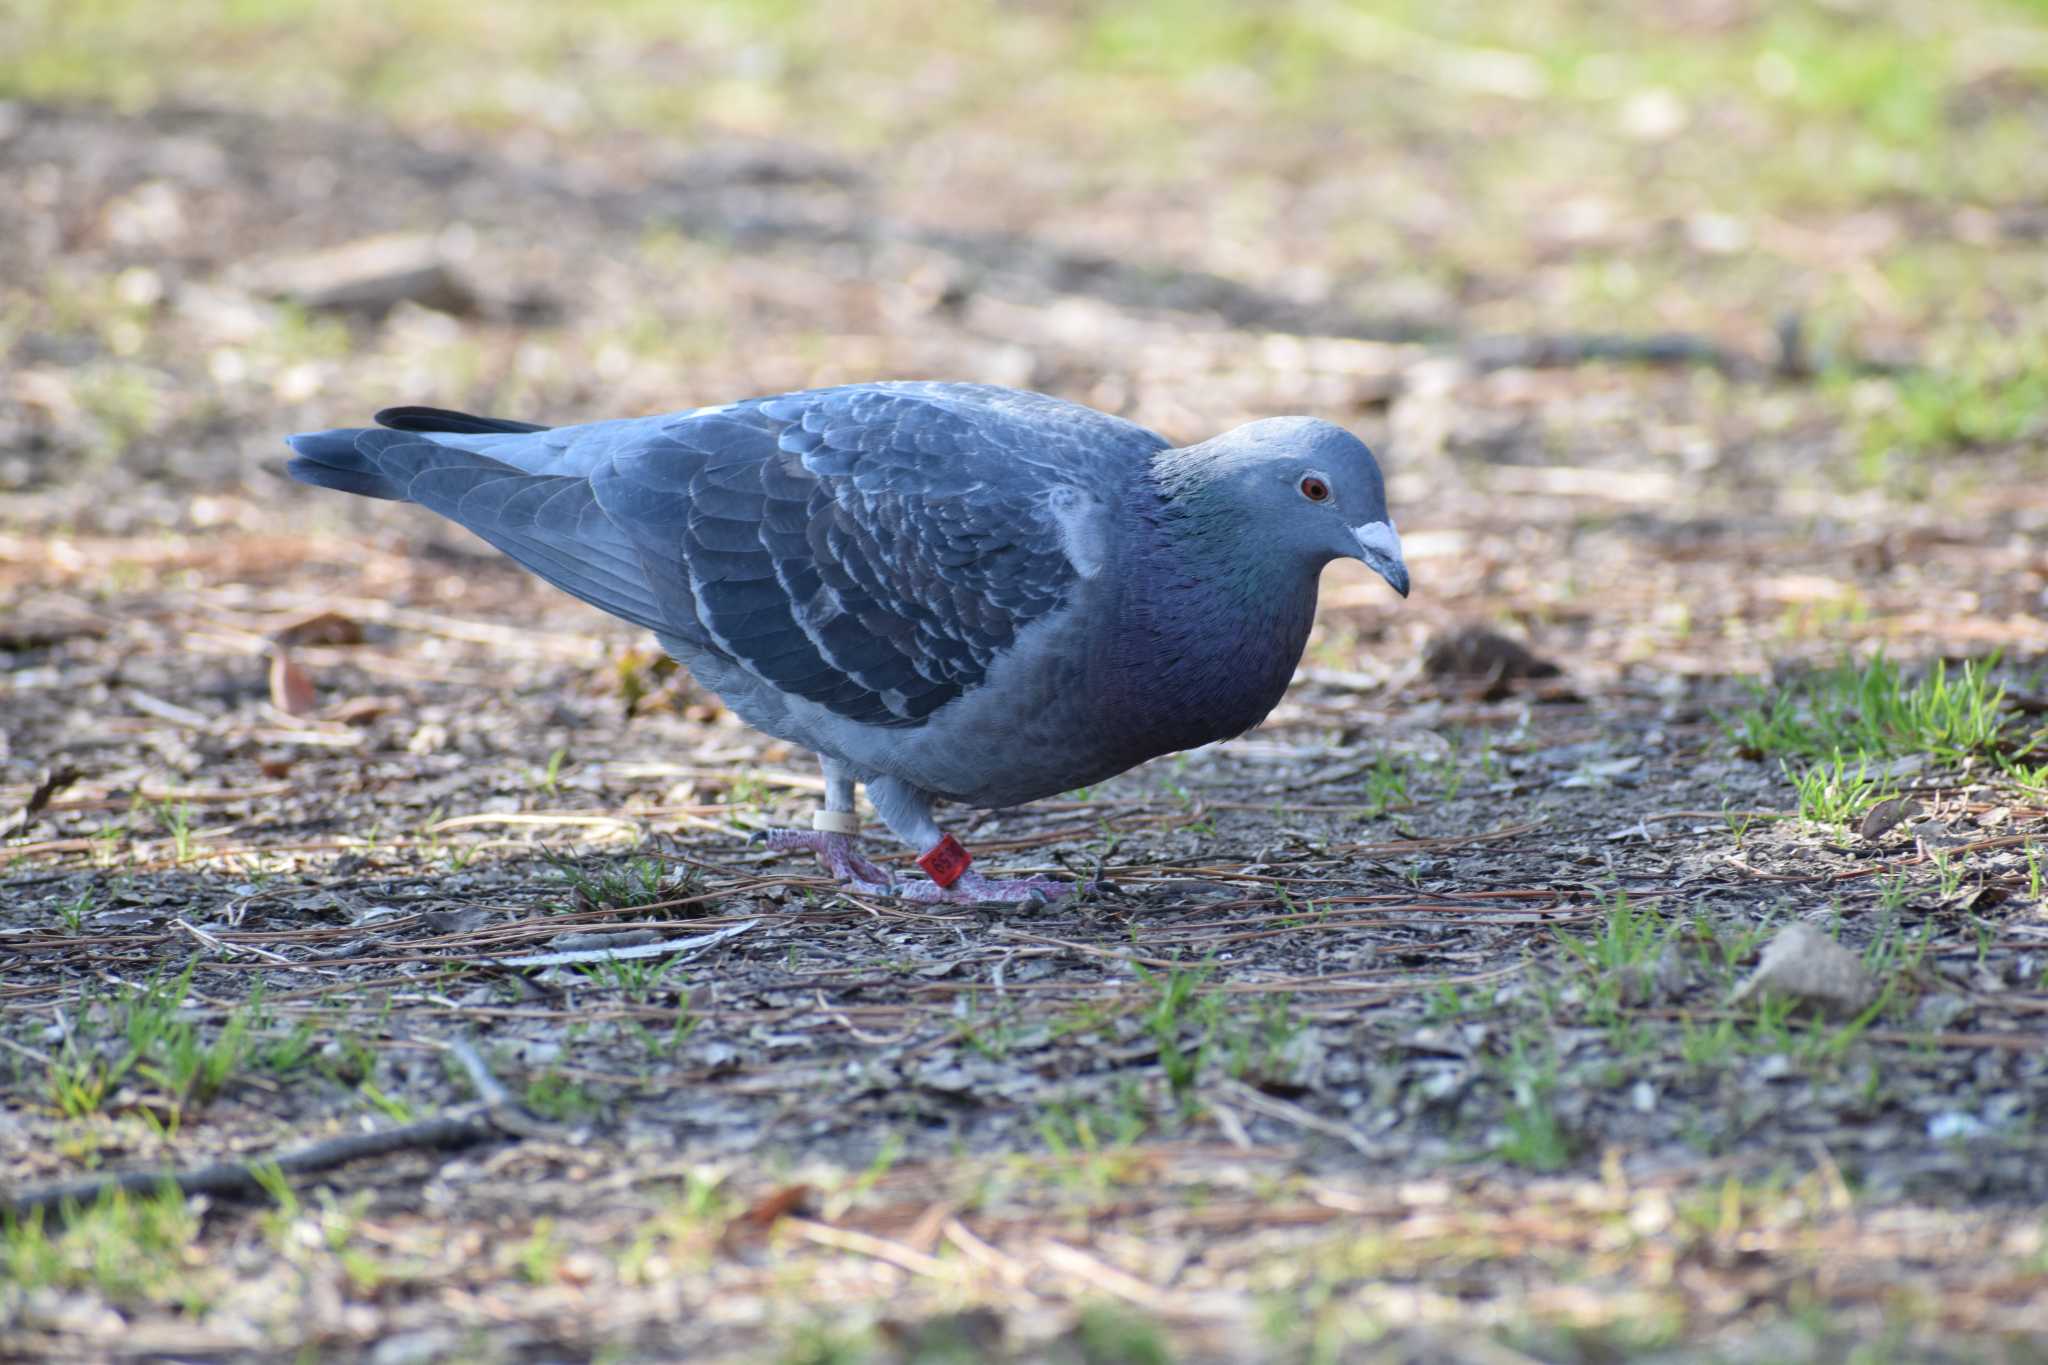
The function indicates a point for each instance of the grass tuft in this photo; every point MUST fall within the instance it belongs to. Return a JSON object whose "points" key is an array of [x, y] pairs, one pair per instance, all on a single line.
{"points": [[1830, 794], [1873, 710], [130, 1249]]}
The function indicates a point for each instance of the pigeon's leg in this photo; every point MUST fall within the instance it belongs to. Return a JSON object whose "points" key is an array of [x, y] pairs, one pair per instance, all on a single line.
{"points": [[908, 812], [835, 836]]}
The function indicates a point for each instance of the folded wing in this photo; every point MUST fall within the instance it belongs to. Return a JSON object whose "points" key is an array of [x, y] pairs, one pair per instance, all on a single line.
{"points": [[874, 549]]}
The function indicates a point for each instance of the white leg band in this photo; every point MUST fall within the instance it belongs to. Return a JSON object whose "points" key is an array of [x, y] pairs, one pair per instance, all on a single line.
{"points": [[835, 821]]}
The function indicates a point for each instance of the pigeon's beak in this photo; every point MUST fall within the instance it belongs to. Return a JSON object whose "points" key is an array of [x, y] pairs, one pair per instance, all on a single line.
{"points": [[1380, 548]]}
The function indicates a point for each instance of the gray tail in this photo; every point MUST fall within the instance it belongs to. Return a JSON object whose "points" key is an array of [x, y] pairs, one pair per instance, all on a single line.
{"points": [[346, 460], [351, 459], [550, 523]]}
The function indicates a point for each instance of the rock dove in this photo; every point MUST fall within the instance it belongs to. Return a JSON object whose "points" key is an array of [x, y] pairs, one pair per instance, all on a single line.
{"points": [[946, 591]]}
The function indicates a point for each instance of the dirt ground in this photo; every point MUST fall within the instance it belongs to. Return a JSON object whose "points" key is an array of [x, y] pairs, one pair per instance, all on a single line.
{"points": [[1410, 1027]]}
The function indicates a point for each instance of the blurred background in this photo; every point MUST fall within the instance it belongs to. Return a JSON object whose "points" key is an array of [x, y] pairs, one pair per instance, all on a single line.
{"points": [[1693, 332]]}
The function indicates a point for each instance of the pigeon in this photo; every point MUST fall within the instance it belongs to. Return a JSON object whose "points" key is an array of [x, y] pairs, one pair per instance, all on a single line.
{"points": [[947, 592]]}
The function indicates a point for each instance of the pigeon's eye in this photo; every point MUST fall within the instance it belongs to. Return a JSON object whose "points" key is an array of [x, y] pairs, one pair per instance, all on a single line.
{"points": [[1315, 488]]}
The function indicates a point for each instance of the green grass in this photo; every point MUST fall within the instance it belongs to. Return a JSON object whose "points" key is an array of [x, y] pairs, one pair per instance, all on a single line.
{"points": [[128, 1248], [137, 1033], [1534, 1137], [1835, 730], [625, 885], [1200, 1033], [1179, 1002], [1830, 794], [549, 778], [195, 1069], [1107, 1334], [2029, 780], [1989, 396], [1866, 93], [1081, 1128], [1386, 786], [124, 403], [73, 912], [556, 1097], [177, 823], [1619, 959], [539, 1257], [1261, 1048], [822, 1343], [1876, 710], [635, 978], [1199, 1029]]}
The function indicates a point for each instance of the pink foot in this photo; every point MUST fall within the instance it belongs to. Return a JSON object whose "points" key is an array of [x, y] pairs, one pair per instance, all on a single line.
{"points": [[840, 854], [972, 889]]}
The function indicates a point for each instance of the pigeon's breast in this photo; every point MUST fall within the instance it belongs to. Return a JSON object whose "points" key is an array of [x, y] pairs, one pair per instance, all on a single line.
{"points": [[1194, 671], [1101, 689], [1033, 729]]}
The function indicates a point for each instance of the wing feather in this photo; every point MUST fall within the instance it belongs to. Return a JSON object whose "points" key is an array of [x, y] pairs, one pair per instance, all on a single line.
{"points": [[872, 548]]}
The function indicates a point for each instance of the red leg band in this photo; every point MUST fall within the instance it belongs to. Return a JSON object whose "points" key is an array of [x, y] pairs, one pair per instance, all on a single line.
{"points": [[944, 861]]}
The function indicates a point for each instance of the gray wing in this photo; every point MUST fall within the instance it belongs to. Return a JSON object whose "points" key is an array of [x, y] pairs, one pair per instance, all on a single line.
{"points": [[873, 549]]}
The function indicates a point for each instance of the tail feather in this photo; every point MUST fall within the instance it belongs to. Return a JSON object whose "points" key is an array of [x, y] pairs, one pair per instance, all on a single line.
{"points": [[347, 460], [443, 419], [550, 523], [339, 459]]}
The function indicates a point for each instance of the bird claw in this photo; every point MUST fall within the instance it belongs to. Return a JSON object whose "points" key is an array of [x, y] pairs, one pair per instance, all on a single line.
{"points": [[838, 852], [974, 889]]}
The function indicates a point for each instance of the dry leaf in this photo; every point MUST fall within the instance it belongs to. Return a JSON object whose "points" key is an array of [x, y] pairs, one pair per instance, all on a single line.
{"points": [[321, 628], [778, 1204], [291, 689], [765, 1212], [1805, 965], [1882, 817], [365, 710], [1475, 652]]}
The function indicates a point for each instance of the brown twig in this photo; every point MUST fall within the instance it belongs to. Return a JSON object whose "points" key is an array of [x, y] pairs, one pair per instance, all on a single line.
{"points": [[494, 1117], [52, 781], [460, 1129]]}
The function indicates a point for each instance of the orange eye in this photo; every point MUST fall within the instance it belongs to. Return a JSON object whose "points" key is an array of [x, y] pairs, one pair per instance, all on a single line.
{"points": [[1315, 488]]}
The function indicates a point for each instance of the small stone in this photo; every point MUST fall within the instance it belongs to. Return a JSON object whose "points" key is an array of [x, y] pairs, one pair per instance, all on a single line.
{"points": [[1805, 965], [371, 275], [1952, 1125]]}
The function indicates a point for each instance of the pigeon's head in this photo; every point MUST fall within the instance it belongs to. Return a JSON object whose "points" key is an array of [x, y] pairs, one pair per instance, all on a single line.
{"points": [[1302, 488]]}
